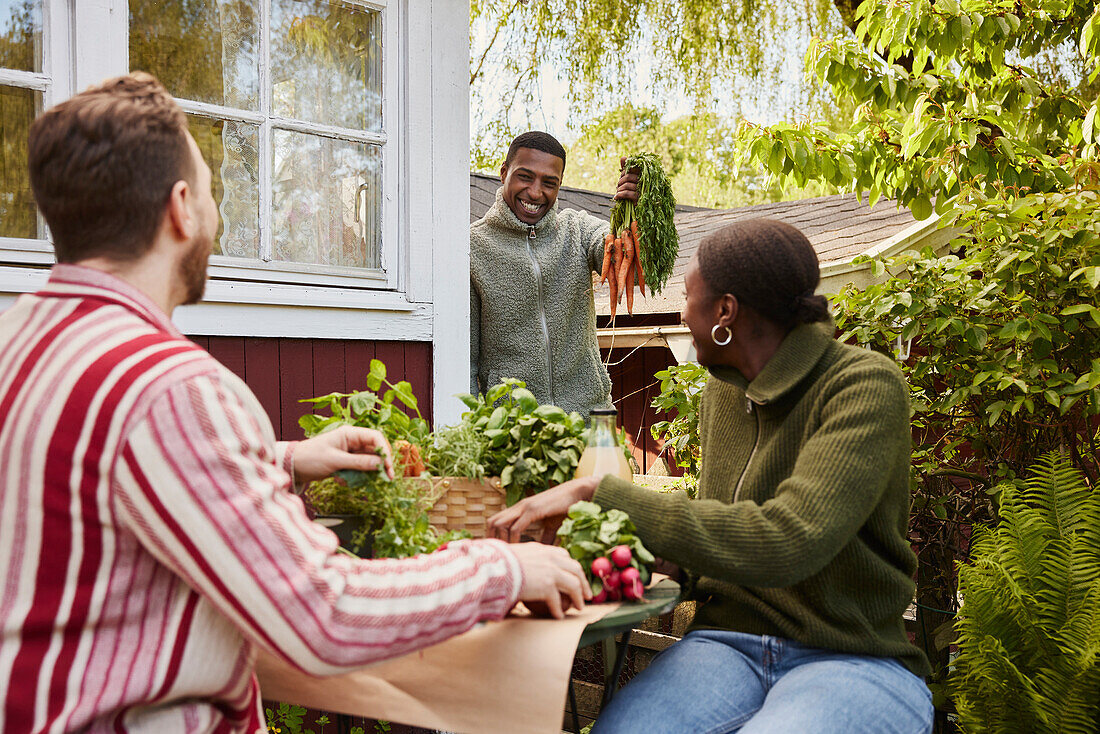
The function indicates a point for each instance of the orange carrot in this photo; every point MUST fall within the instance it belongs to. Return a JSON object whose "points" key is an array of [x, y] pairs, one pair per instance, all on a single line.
{"points": [[608, 241], [628, 257], [638, 254], [616, 274], [613, 288], [630, 286]]}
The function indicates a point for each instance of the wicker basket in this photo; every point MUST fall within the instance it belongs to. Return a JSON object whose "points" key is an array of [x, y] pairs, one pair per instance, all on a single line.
{"points": [[466, 504]]}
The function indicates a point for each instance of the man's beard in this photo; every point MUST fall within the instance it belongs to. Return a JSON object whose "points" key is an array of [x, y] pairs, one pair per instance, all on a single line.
{"points": [[193, 269]]}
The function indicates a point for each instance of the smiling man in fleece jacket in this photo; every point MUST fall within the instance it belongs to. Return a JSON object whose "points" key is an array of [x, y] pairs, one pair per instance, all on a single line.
{"points": [[531, 264]]}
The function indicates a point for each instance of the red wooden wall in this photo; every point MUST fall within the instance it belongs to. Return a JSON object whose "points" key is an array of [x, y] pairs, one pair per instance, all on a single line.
{"points": [[283, 371]]}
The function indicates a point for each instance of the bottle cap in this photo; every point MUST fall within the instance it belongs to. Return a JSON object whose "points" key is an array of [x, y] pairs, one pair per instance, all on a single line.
{"points": [[604, 411]]}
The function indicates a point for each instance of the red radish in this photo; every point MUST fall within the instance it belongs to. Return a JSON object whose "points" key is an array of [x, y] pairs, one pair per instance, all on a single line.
{"points": [[620, 555], [601, 567], [614, 595], [613, 580], [628, 576], [633, 590], [599, 598]]}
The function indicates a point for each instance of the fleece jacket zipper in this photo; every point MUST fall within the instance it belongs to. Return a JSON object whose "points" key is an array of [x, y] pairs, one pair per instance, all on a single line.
{"points": [[542, 312]]}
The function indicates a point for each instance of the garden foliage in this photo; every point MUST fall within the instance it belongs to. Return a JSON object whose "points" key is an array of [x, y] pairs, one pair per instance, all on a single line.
{"points": [[957, 118], [1029, 632], [530, 446]]}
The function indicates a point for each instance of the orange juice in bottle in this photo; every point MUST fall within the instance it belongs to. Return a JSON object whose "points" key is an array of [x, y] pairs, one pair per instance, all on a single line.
{"points": [[604, 453]]}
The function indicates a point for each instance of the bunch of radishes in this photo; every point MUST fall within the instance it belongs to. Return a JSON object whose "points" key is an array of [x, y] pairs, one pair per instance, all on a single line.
{"points": [[618, 576], [613, 557]]}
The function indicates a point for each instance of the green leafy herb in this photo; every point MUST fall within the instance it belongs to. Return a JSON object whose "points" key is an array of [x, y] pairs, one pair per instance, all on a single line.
{"points": [[530, 446], [656, 207], [456, 451], [396, 511]]}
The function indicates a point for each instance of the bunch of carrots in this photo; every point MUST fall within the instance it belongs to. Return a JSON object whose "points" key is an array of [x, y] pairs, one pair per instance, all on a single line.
{"points": [[622, 265], [643, 243]]}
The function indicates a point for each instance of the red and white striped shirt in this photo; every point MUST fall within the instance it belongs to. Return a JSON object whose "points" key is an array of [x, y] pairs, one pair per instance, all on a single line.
{"points": [[149, 540]]}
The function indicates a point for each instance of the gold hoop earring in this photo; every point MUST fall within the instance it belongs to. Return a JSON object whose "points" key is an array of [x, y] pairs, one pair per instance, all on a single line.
{"points": [[714, 335]]}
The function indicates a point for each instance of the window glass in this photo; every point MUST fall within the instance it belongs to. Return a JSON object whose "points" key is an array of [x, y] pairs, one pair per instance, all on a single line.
{"points": [[326, 198], [21, 35], [322, 64], [231, 149], [18, 215], [204, 51], [326, 63]]}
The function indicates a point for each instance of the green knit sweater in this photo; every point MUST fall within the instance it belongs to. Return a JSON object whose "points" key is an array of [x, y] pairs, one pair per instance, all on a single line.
{"points": [[800, 526]]}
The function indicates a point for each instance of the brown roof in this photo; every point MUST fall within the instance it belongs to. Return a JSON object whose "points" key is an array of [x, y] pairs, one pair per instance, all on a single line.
{"points": [[483, 191], [839, 227]]}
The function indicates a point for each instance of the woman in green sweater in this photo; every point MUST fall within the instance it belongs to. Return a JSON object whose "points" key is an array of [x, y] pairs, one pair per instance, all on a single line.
{"points": [[798, 539]]}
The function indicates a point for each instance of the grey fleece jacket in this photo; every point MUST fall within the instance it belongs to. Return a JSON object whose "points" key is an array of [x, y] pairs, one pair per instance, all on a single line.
{"points": [[531, 310]]}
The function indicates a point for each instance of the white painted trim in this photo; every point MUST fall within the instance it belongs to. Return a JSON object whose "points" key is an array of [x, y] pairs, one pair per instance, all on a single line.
{"points": [[449, 191], [271, 321], [329, 131], [25, 79], [284, 272], [101, 39], [273, 310], [888, 247], [207, 109]]}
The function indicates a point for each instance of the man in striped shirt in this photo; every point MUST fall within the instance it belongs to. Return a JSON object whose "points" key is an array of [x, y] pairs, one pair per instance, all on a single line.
{"points": [[150, 540]]}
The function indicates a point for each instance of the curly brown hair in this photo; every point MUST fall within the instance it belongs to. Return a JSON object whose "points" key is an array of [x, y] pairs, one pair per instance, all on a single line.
{"points": [[103, 163]]}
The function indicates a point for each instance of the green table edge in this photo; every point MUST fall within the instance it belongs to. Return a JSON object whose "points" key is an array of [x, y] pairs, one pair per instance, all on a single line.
{"points": [[659, 599]]}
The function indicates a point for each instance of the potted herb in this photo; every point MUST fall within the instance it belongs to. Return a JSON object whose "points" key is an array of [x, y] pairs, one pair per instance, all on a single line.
{"points": [[369, 512]]}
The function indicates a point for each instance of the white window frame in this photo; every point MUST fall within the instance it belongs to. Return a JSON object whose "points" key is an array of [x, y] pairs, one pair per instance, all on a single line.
{"points": [[55, 84], [100, 41], [430, 258]]}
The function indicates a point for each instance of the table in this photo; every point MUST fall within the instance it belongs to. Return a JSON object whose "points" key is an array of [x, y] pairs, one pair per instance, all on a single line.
{"points": [[659, 599]]}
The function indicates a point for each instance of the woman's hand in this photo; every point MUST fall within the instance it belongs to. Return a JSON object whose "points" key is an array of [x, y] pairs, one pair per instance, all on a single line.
{"points": [[554, 502], [347, 447]]}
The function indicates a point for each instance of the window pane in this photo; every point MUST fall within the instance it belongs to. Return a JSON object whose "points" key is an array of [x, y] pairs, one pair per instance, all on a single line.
{"points": [[18, 215], [231, 149], [326, 63], [21, 34], [207, 51], [327, 201]]}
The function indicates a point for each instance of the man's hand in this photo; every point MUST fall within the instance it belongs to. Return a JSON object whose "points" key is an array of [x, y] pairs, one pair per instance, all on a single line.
{"points": [[627, 189], [347, 447], [549, 574], [553, 503]]}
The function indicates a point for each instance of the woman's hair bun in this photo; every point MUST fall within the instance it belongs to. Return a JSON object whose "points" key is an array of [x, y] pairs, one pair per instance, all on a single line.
{"points": [[809, 309]]}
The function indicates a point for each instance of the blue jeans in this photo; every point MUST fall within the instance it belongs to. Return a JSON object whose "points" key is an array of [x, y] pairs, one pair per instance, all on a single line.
{"points": [[715, 681]]}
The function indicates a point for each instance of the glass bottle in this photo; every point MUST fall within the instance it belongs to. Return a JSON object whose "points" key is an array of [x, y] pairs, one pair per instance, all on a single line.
{"points": [[604, 452]]}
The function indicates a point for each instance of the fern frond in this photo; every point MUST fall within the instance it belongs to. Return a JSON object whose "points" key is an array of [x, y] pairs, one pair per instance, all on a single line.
{"points": [[1029, 627]]}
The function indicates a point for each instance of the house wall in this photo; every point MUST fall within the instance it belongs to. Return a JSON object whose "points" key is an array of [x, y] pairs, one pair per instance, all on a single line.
{"points": [[283, 371]]}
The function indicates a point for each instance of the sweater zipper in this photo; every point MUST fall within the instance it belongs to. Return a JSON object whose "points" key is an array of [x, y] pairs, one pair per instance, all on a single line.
{"points": [[755, 445], [542, 312]]}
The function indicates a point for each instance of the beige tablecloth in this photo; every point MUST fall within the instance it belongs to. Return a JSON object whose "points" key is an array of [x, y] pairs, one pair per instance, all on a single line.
{"points": [[510, 677]]}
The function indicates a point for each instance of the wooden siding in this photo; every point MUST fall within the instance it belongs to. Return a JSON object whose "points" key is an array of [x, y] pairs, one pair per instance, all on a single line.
{"points": [[283, 371], [633, 388]]}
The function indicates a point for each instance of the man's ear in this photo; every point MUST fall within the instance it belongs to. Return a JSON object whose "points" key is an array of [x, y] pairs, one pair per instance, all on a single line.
{"points": [[180, 219], [503, 171]]}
